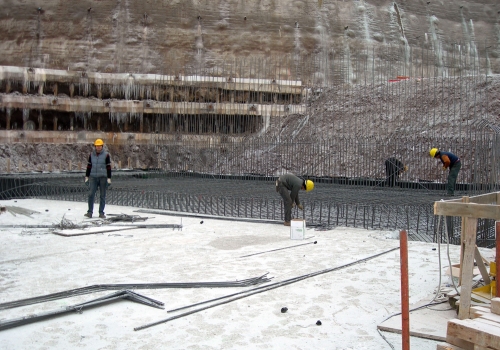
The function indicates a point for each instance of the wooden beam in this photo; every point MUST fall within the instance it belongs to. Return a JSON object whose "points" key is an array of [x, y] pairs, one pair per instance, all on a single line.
{"points": [[477, 333], [489, 198], [467, 267], [471, 210], [481, 266]]}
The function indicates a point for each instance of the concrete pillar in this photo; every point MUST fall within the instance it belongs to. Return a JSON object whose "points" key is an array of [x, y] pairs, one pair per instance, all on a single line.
{"points": [[7, 87], [171, 94], [8, 117], [260, 97], [70, 166], [55, 123], [71, 90], [232, 96], [217, 96], [50, 167], [171, 125], [72, 122], [129, 161], [25, 87], [141, 123], [8, 165], [119, 164], [99, 123], [20, 167], [85, 123], [55, 88], [40, 89], [99, 91], [125, 126]]}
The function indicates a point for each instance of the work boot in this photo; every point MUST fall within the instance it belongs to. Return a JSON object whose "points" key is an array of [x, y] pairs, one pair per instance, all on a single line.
{"points": [[102, 216], [89, 215], [287, 223]]}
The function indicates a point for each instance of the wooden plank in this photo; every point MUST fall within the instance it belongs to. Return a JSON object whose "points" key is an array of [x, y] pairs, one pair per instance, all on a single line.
{"points": [[495, 306], [91, 231], [488, 198], [472, 331], [492, 323], [462, 237], [478, 347], [471, 210], [483, 309], [447, 346], [481, 266], [467, 267], [460, 343], [491, 317]]}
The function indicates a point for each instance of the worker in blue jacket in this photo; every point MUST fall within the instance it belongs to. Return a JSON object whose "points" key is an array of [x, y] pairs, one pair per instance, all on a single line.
{"points": [[451, 162]]}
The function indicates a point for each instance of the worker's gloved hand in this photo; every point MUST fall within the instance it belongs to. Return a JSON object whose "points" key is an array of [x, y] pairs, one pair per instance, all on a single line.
{"points": [[86, 179], [444, 168], [293, 205], [405, 168], [301, 207], [109, 181]]}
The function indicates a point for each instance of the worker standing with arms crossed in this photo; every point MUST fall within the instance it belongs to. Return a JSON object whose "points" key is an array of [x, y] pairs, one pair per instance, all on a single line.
{"points": [[98, 174], [294, 184], [450, 161]]}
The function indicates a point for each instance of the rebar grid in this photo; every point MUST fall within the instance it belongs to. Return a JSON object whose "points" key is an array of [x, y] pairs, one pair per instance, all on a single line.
{"points": [[364, 205]]}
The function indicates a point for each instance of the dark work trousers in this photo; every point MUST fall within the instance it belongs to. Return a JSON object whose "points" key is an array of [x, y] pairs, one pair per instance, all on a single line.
{"points": [[452, 178], [287, 200], [391, 173], [102, 183]]}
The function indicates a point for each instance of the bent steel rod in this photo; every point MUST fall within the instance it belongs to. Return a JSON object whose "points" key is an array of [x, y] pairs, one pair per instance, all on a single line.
{"points": [[258, 290], [273, 250], [104, 287]]}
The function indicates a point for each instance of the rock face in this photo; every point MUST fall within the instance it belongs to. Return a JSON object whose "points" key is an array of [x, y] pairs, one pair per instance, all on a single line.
{"points": [[292, 39]]}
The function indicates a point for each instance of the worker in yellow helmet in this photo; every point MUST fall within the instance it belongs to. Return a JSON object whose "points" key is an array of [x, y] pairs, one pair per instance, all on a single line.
{"points": [[98, 175], [292, 183], [450, 161]]}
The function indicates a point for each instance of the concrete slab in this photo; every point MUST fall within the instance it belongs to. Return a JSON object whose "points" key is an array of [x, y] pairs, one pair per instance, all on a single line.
{"points": [[350, 300]]}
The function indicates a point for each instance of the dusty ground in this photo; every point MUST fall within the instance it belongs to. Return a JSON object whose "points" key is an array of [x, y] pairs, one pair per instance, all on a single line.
{"points": [[349, 302]]}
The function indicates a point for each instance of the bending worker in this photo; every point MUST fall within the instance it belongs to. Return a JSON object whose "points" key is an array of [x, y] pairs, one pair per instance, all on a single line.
{"points": [[99, 175], [450, 161], [292, 183], [393, 168]]}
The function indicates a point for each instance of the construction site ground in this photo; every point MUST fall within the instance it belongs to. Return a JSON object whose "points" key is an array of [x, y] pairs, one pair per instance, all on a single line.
{"points": [[348, 301]]}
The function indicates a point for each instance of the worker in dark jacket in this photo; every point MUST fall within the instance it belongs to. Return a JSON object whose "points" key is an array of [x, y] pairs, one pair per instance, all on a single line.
{"points": [[98, 175], [393, 168], [450, 161], [292, 183]]}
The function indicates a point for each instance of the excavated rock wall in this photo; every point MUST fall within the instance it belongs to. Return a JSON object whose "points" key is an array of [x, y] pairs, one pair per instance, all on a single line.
{"points": [[163, 36]]}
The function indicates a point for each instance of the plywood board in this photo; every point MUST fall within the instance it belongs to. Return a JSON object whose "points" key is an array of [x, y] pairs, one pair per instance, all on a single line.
{"points": [[91, 230], [424, 323]]}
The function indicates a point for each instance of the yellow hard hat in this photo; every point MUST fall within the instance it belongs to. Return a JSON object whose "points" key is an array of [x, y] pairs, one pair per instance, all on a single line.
{"points": [[433, 152], [309, 185], [98, 142]]}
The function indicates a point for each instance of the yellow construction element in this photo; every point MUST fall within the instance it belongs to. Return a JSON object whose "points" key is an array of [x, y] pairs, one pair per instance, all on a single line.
{"points": [[488, 291]]}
